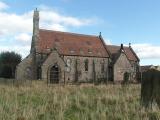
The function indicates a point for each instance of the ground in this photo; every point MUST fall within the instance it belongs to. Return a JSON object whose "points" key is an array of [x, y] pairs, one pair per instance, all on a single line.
{"points": [[37, 101]]}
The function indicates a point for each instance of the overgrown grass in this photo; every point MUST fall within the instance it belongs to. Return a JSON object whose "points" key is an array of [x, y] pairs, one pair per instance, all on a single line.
{"points": [[71, 102]]}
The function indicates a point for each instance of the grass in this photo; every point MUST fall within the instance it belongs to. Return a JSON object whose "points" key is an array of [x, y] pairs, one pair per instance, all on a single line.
{"points": [[73, 102]]}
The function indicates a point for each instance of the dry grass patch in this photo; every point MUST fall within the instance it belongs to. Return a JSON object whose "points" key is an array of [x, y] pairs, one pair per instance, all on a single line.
{"points": [[72, 102]]}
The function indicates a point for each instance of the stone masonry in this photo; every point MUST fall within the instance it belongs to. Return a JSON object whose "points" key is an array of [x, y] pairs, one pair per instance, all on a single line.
{"points": [[61, 57]]}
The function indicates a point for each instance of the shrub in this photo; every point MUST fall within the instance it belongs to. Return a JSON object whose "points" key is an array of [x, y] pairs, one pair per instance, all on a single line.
{"points": [[8, 63]]}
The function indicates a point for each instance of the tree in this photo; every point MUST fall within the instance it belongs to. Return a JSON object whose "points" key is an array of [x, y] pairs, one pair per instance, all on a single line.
{"points": [[8, 63]]}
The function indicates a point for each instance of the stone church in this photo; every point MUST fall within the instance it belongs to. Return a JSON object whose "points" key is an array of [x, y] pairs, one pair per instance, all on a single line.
{"points": [[63, 57]]}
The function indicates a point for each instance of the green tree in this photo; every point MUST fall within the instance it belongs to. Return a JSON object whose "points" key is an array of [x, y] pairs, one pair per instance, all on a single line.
{"points": [[8, 63]]}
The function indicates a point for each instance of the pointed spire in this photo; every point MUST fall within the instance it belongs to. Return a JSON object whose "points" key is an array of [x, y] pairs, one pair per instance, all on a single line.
{"points": [[35, 22], [35, 31], [36, 15]]}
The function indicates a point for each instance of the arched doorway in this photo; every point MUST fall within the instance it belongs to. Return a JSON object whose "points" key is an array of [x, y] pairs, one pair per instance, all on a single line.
{"points": [[54, 74], [39, 73]]}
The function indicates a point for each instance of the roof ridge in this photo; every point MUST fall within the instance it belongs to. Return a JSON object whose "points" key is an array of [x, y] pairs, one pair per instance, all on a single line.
{"points": [[104, 45], [69, 33], [117, 46], [128, 51], [134, 53]]}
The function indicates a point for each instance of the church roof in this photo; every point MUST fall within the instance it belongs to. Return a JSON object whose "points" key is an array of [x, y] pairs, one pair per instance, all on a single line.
{"points": [[71, 43], [114, 50]]}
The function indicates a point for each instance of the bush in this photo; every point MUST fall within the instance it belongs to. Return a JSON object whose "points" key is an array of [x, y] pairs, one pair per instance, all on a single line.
{"points": [[8, 63]]}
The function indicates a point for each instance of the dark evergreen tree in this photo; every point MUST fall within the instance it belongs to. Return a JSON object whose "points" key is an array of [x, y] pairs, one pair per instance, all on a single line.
{"points": [[8, 63]]}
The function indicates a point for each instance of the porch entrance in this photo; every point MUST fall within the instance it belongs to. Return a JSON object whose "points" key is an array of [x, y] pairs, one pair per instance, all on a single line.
{"points": [[54, 74]]}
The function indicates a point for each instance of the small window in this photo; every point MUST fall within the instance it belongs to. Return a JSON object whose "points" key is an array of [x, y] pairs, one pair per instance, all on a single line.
{"points": [[135, 68], [89, 51], [102, 67], [86, 65], [71, 51]]}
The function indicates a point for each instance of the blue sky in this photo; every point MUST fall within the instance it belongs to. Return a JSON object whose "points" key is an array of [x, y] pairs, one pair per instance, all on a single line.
{"points": [[120, 21]]}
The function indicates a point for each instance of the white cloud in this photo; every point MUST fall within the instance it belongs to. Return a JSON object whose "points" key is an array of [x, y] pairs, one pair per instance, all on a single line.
{"points": [[107, 41], [24, 37], [23, 50], [19, 26], [147, 51], [53, 17], [3, 6], [12, 23]]}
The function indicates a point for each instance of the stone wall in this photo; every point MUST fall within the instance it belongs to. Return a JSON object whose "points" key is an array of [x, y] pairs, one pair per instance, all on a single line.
{"points": [[94, 71], [72, 68], [121, 66], [24, 69]]}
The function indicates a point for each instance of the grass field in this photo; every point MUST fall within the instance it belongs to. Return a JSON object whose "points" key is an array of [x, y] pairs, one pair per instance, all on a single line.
{"points": [[73, 102]]}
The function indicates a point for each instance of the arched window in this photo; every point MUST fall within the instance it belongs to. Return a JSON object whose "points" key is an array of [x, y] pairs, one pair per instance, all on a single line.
{"points": [[54, 74], [68, 62], [86, 64]]}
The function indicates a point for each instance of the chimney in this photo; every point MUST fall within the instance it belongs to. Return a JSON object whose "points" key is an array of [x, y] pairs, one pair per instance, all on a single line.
{"points": [[121, 46], [130, 45], [100, 35]]}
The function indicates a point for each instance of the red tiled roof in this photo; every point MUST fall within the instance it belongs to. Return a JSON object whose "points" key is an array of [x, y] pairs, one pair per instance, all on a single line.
{"points": [[130, 54], [71, 43]]}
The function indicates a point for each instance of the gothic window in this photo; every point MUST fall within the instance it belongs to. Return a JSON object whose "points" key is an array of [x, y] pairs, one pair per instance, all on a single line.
{"points": [[102, 67], [68, 65], [135, 68], [86, 64], [54, 74]]}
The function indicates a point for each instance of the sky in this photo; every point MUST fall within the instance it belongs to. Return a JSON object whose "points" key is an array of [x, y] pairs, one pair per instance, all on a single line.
{"points": [[120, 21]]}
